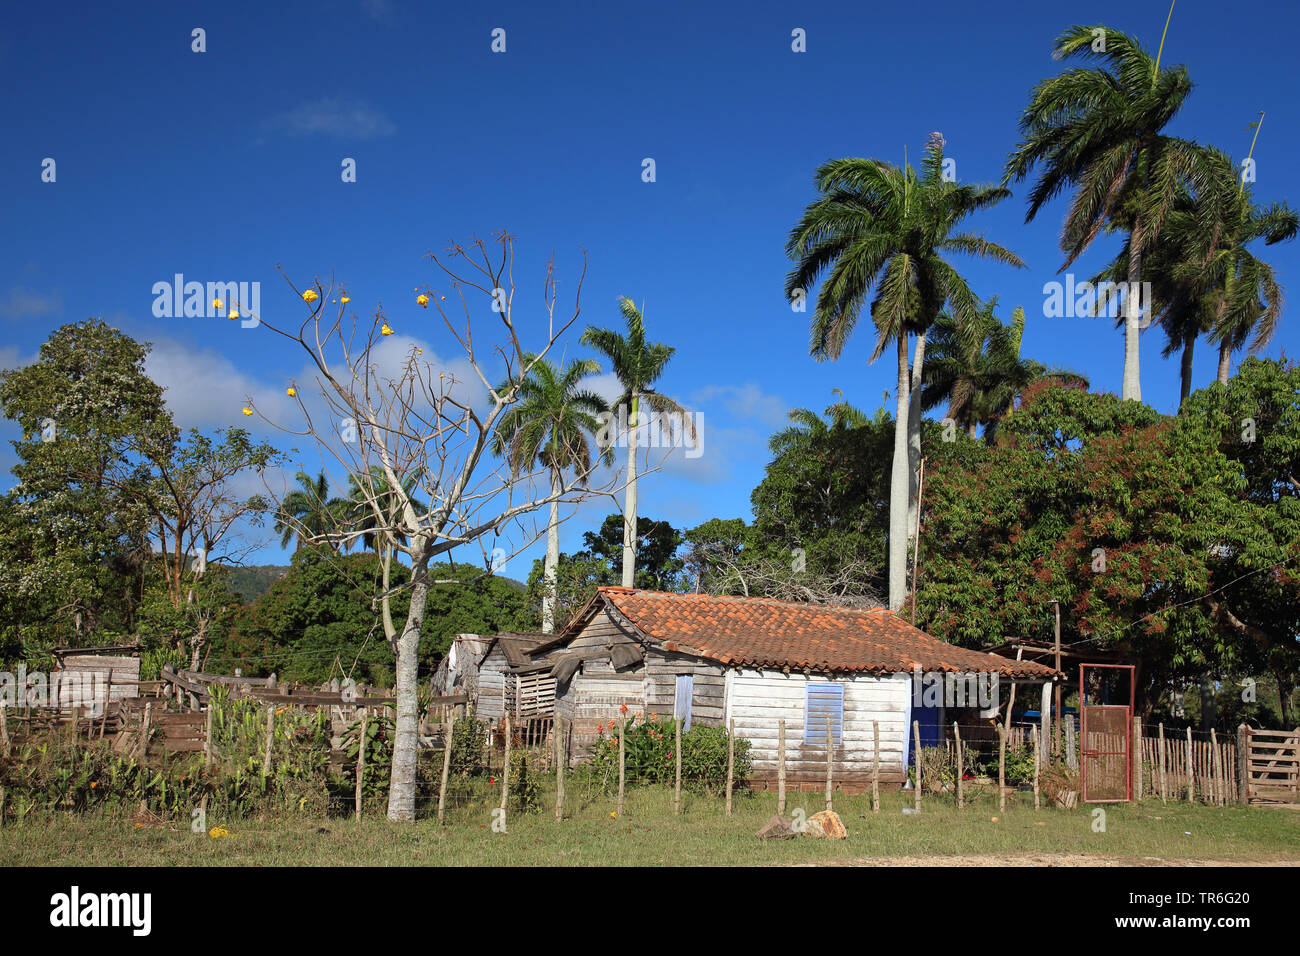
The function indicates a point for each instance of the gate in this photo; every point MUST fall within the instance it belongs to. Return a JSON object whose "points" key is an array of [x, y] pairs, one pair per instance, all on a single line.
{"points": [[1273, 765], [1106, 747]]}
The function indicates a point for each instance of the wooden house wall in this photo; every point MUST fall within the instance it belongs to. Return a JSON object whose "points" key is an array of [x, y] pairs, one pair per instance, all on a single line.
{"points": [[490, 704], [709, 690], [595, 693], [759, 699]]}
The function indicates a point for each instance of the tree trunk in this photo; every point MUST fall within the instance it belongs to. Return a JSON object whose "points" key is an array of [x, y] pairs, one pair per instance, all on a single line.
{"points": [[552, 558], [914, 443], [401, 790], [1185, 373], [1285, 685], [1225, 362], [898, 484], [629, 506], [1132, 388]]}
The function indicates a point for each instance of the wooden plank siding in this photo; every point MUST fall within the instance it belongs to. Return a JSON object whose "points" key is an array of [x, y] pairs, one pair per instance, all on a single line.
{"points": [[759, 699], [491, 704]]}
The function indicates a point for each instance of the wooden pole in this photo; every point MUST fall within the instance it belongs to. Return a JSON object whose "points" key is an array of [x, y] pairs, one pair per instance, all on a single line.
{"points": [[1191, 779], [270, 740], [1002, 767], [830, 761], [731, 760], [1216, 767], [361, 759], [1044, 721], [559, 769], [108, 695], [4, 732], [449, 728], [875, 766], [142, 745], [207, 736], [916, 754], [1033, 731], [1070, 755], [677, 752], [622, 734], [780, 767], [1163, 790], [956, 746], [1137, 757], [76, 715], [505, 769], [1057, 606], [1242, 769]]}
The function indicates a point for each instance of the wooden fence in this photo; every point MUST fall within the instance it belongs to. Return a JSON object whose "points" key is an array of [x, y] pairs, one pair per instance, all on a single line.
{"points": [[1272, 765]]}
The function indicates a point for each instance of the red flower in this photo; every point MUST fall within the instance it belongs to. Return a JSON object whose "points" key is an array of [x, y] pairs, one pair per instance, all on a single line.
{"points": [[492, 781], [622, 708]]}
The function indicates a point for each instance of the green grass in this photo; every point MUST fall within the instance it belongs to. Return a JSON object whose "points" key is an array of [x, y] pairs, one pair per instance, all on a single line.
{"points": [[649, 834]]}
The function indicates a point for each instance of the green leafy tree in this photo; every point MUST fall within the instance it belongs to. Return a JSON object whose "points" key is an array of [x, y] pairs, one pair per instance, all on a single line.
{"points": [[879, 234], [308, 510]]}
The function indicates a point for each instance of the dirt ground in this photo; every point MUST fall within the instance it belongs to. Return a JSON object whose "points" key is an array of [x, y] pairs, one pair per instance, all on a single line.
{"points": [[1039, 859]]}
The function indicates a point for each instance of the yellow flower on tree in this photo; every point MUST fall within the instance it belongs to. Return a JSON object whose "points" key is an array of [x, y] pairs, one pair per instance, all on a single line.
{"points": [[385, 330], [345, 300], [218, 304], [423, 300], [310, 296], [247, 410], [234, 314], [291, 391]]}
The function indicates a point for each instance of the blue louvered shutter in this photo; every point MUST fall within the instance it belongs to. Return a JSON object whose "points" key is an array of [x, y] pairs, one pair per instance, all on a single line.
{"points": [[685, 691], [822, 701]]}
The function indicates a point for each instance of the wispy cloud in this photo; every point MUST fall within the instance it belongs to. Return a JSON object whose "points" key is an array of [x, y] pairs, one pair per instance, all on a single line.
{"points": [[378, 9], [334, 116], [24, 303]]}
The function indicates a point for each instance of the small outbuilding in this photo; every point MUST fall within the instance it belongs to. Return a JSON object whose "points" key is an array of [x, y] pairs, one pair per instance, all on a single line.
{"points": [[511, 681], [756, 661]]}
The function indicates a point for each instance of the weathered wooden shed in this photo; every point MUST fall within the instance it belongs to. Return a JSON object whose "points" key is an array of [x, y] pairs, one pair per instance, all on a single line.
{"points": [[512, 681], [711, 659], [458, 671]]}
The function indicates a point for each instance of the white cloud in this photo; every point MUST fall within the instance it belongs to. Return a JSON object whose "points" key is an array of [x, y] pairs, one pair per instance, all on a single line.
{"points": [[22, 303], [335, 116]]}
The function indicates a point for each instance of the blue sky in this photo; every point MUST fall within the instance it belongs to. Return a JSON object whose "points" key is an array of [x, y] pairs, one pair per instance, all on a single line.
{"points": [[221, 165]]}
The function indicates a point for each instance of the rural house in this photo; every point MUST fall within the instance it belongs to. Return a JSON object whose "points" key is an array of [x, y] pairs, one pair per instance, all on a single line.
{"points": [[512, 682], [757, 661]]}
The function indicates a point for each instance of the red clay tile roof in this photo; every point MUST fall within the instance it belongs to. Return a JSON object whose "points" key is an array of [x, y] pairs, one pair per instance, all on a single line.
{"points": [[760, 632]]}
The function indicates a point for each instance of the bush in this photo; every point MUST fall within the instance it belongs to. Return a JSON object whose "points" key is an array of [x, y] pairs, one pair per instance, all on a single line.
{"points": [[649, 756]]}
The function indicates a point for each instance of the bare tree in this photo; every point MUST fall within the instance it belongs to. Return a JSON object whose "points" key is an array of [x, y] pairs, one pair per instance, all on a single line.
{"points": [[723, 568], [417, 440]]}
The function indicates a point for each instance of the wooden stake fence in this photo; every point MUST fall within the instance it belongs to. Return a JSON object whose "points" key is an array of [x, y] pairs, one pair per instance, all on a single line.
{"points": [[956, 736], [622, 742], [731, 760], [559, 768], [448, 732], [780, 767], [830, 761], [677, 752], [361, 759], [916, 754], [875, 766]]}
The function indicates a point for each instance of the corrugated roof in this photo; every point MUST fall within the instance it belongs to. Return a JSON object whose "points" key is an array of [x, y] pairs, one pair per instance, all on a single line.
{"points": [[765, 633]]}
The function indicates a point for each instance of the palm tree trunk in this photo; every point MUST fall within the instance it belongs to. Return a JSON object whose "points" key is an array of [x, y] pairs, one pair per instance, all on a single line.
{"points": [[401, 787], [552, 557], [914, 443], [898, 486], [1132, 388], [629, 505], [1225, 362], [1185, 373]]}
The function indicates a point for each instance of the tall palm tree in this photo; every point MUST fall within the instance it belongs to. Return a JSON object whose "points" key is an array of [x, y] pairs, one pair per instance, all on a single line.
{"points": [[881, 231], [1098, 131], [637, 364], [979, 371], [308, 511], [551, 424], [362, 516]]}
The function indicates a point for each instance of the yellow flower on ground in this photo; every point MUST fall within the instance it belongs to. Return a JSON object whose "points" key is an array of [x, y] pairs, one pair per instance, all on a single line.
{"points": [[217, 833], [247, 410], [385, 330], [291, 391], [310, 296], [423, 300]]}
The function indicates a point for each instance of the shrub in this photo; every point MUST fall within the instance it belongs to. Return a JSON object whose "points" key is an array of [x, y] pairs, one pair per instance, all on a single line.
{"points": [[649, 755]]}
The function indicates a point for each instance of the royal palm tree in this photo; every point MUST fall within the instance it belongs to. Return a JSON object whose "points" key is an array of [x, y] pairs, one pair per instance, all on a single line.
{"points": [[637, 364], [552, 424], [1098, 131], [879, 233], [308, 511], [978, 370]]}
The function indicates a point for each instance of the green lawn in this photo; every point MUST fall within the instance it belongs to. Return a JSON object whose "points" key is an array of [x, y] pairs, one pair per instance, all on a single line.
{"points": [[649, 834]]}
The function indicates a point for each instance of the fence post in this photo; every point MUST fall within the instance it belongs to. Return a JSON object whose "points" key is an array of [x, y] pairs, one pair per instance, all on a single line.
{"points": [[270, 739], [4, 732], [559, 768], [956, 746], [677, 752], [1002, 767], [875, 767], [1216, 767], [1070, 756], [505, 770], [72, 736], [916, 754], [142, 745], [1136, 749], [830, 761], [1243, 766], [449, 727], [780, 767], [207, 737], [361, 759], [108, 695], [731, 760], [1163, 789], [622, 734], [1033, 732], [1191, 772]]}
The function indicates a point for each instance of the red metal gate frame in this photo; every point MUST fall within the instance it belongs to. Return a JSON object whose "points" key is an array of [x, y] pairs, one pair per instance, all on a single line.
{"points": [[1083, 732]]}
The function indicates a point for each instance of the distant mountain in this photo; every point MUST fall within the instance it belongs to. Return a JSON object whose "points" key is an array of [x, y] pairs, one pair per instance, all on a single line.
{"points": [[252, 582]]}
